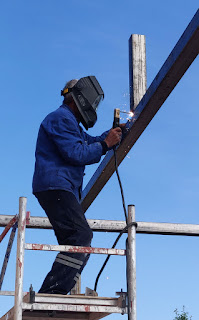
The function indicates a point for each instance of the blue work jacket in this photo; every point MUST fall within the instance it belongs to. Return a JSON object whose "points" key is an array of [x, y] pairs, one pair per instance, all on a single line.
{"points": [[62, 151]]}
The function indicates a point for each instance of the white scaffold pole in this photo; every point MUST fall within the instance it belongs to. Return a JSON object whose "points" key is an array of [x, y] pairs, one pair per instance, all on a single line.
{"points": [[20, 259], [131, 264]]}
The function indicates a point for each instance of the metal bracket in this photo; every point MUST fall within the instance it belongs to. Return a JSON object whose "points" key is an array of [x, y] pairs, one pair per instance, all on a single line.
{"points": [[32, 294], [90, 292], [122, 300], [52, 314], [132, 224]]}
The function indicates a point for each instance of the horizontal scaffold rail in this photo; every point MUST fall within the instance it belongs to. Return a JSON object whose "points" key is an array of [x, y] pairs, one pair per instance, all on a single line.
{"points": [[72, 299], [117, 226], [70, 308], [10, 293], [74, 249]]}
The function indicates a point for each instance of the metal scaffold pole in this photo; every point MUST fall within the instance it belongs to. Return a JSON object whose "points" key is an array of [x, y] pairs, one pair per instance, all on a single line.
{"points": [[131, 264], [20, 259]]}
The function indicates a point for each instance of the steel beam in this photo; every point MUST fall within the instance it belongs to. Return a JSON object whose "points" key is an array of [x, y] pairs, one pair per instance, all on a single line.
{"points": [[179, 60]]}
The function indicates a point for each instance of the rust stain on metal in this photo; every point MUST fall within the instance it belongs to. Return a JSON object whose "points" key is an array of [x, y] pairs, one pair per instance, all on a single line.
{"points": [[28, 217], [23, 224], [84, 249], [92, 250], [36, 246], [20, 266], [7, 228], [87, 308]]}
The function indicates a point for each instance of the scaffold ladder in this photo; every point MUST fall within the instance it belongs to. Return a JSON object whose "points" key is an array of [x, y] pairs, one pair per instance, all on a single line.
{"points": [[33, 305]]}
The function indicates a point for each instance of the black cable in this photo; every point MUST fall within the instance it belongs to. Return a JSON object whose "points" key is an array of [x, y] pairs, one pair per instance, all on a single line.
{"points": [[120, 184], [121, 232], [108, 257]]}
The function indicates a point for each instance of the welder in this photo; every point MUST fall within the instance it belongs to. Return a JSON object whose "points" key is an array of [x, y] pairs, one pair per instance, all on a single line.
{"points": [[62, 151]]}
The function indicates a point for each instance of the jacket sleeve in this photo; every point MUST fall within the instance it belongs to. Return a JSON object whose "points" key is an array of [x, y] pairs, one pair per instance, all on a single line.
{"points": [[70, 142], [91, 139]]}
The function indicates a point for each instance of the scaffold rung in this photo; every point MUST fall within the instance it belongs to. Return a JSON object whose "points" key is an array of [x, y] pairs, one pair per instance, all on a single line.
{"points": [[74, 249]]}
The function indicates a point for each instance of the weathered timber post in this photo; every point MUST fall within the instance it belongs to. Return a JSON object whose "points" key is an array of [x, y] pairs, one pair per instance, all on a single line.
{"points": [[137, 69], [20, 259], [131, 264]]}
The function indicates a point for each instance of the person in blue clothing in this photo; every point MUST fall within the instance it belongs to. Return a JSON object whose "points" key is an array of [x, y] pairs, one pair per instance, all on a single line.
{"points": [[63, 150]]}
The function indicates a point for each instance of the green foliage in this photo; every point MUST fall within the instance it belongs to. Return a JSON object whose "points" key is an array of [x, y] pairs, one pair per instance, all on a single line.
{"points": [[183, 315]]}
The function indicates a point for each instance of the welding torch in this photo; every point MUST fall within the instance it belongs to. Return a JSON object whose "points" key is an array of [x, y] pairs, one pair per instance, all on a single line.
{"points": [[116, 121]]}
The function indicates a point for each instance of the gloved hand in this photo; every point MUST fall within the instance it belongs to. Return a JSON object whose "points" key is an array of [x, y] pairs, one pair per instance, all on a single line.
{"points": [[114, 137]]}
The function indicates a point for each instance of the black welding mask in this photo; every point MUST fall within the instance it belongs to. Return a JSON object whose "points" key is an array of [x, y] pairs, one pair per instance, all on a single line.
{"points": [[87, 94]]}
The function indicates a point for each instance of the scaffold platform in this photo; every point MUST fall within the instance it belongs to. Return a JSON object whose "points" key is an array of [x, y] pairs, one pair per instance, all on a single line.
{"points": [[79, 307]]}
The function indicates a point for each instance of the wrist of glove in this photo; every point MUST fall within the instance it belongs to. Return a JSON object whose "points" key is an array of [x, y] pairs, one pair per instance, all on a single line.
{"points": [[104, 147]]}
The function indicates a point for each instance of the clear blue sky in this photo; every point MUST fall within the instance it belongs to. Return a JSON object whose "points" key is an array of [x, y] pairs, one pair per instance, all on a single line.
{"points": [[43, 45]]}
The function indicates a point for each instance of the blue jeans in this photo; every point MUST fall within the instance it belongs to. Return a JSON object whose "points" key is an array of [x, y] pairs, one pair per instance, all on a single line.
{"points": [[71, 228]]}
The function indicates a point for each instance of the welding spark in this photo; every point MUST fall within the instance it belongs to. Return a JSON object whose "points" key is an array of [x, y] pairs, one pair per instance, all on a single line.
{"points": [[130, 113]]}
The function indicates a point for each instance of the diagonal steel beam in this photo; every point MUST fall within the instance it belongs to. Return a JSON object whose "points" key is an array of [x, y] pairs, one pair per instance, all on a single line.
{"points": [[179, 60]]}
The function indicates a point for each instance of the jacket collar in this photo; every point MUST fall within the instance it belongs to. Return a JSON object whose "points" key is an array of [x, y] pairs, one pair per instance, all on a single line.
{"points": [[65, 106]]}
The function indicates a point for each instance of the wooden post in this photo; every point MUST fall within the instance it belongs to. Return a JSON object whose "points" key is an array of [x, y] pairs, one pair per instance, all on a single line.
{"points": [[137, 69]]}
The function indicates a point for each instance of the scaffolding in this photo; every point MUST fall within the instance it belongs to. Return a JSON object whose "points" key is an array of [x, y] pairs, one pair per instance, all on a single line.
{"points": [[30, 305]]}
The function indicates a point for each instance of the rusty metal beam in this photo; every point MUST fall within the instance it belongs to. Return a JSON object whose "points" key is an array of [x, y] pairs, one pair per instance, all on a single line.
{"points": [[74, 249], [173, 69], [8, 227]]}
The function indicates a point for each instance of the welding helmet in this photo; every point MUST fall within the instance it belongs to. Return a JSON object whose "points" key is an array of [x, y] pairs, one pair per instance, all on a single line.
{"points": [[87, 94]]}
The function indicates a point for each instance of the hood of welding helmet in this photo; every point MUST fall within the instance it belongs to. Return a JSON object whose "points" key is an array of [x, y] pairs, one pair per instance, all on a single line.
{"points": [[87, 94]]}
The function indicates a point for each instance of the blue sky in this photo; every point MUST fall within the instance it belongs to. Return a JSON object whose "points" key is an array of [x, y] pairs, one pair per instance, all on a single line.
{"points": [[43, 45]]}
